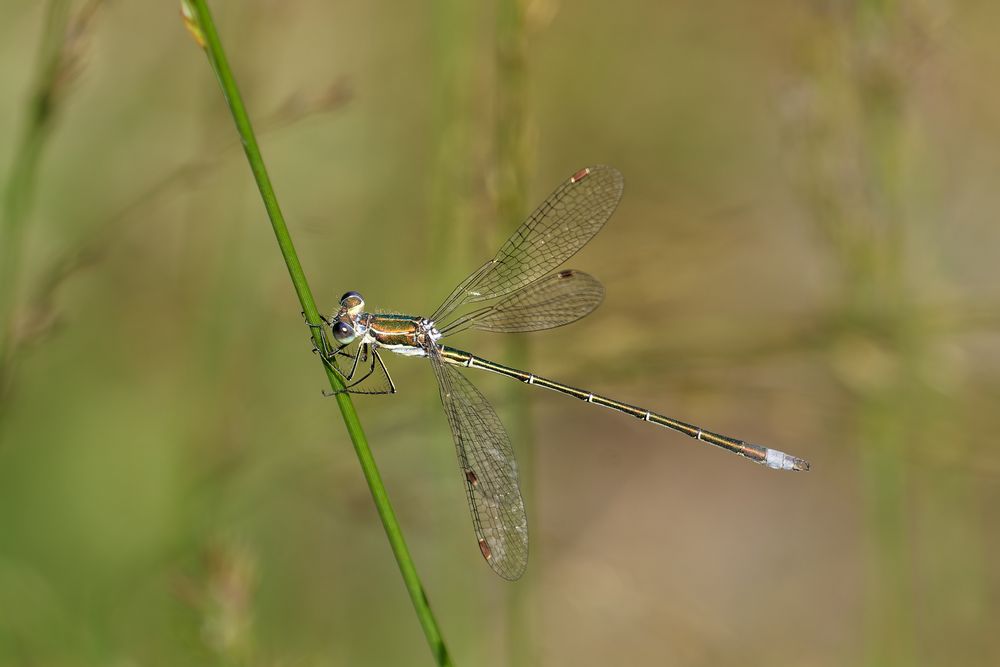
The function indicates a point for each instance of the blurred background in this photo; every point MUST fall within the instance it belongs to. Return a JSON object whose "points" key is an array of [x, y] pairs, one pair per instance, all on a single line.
{"points": [[804, 257]]}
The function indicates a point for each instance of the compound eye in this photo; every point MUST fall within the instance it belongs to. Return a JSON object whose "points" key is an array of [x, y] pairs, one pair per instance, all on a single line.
{"points": [[351, 295], [353, 302], [343, 332]]}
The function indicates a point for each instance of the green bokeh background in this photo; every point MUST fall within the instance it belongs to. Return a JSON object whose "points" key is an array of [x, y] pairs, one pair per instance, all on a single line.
{"points": [[804, 257]]}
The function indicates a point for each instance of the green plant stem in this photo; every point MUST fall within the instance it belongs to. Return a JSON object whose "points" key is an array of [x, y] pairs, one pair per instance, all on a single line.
{"points": [[20, 188], [220, 65]]}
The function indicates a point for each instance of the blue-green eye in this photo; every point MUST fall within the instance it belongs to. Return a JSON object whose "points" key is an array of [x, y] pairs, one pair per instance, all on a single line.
{"points": [[343, 332]]}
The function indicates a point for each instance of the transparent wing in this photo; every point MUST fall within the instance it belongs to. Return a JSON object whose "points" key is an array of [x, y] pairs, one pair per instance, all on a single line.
{"points": [[547, 303], [489, 472], [557, 229]]}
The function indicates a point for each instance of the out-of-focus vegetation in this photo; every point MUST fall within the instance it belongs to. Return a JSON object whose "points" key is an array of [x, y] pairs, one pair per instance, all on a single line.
{"points": [[804, 257]]}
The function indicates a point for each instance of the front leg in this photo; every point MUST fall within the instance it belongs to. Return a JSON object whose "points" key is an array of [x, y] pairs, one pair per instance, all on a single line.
{"points": [[362, 353], [328, 359], [325, 350], [362, 349], [376, 359]]}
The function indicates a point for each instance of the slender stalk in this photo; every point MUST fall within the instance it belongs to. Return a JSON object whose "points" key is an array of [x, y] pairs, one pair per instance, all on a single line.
{"points": [[19, 192], [204, 30], [878, 286], [452, 91]]}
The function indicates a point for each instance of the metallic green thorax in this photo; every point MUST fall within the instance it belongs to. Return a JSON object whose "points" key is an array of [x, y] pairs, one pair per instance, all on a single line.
{"points": [[390, 330]]}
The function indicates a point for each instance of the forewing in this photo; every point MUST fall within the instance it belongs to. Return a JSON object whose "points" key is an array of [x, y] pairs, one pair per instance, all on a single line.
{"points": [[547, 303], [553, 233], [489, 472]]}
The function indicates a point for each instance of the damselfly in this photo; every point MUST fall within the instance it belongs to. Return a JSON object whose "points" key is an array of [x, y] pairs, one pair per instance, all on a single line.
{"points": [[526, 298]]}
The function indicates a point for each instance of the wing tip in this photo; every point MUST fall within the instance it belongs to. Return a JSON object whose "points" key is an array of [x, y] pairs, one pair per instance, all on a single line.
{"points": [[503, 567]]}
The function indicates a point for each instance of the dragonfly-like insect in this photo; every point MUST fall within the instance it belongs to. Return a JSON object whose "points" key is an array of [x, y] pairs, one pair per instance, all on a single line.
{"points": [[527, 296]]}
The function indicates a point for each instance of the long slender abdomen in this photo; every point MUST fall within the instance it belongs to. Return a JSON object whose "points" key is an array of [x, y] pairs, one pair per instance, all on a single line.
{"points": [[772, 458]]}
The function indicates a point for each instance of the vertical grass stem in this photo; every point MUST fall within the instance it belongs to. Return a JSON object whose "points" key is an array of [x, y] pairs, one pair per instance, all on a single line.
{"points": [[20, 187], [205, 32]]}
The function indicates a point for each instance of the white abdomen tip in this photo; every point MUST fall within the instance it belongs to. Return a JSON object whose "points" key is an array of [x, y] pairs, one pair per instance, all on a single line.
{"points": [[782, 461]]}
